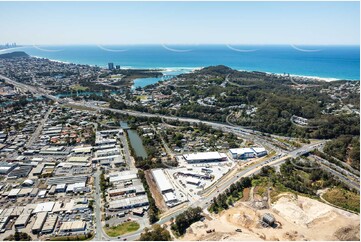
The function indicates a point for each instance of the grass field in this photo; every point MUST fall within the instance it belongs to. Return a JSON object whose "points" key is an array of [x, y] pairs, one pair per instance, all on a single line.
{"points": [[343, 198], [121, 229], [78, 87]]}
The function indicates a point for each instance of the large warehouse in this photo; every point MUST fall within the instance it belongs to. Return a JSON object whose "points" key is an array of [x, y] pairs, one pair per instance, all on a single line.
{"points": [[162, 181], [245, 153], [205, 157]]}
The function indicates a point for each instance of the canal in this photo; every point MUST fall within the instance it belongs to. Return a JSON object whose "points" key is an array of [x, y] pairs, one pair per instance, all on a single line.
{"points": [[135, 141]]}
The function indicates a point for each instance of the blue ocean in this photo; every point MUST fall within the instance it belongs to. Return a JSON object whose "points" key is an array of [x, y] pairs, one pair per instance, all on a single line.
{"points": [[334, 62]]}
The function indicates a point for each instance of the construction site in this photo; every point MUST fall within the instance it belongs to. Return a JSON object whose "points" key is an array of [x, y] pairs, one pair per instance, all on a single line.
{"points": [[292, 217]]}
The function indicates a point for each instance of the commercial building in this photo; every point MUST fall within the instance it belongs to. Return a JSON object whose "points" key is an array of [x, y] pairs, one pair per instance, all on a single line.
{"points": [[123, 176], [25, 192], [67, 180], [42, 193], [77, 188], [193, 181], [34, 192], [138, 190], [49, 224], [38, 169], [205, 157], [60, 188], [82, 150], [128, 203], [74, 226], [14, 192], [260, 151], [44, 207], [19, 172], [162, 181], [23, 220], [79, 159], [245, 153], [170, 198], [6, 167], [39, 222]]}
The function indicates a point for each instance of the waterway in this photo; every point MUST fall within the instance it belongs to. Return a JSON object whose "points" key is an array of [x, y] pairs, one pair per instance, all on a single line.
{"points": [[135, 140]]}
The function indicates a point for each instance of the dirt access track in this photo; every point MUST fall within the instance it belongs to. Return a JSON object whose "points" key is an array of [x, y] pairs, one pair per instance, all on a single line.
{"points": [[159, 201]]}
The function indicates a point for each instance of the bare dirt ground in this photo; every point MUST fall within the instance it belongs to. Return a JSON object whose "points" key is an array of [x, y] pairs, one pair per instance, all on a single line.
{"points": [[159, 201], [298, 218]]}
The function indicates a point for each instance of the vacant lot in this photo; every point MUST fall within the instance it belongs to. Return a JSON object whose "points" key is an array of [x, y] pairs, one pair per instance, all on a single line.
{"points": [[298, 218], [343, 198], [121, 229]]}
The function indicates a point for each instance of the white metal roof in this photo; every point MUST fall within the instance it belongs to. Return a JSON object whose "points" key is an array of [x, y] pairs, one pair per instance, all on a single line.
{"points": [[161, 180], [170, 196], [14, 192], [259, 149], [79, 159], [192, 180], [240, 151], [44, 207], [203, 156]]}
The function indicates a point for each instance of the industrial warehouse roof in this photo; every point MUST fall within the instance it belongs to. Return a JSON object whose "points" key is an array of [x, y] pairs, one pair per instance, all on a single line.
{"points": [[25, 191], [74, 225], [44, 207], [161, 180], [121, 203], [20, 171], [67, 180], [259, 149], [14, 192], [192, 180], [82, 149], [123, 175], [203, 156], [241, 150], [40, 218], [169, 197], [49, 223], [23, 218], [137, 188], [79, 159], [123, 178]]}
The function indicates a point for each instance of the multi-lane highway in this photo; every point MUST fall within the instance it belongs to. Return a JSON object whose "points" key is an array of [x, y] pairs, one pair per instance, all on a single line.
{"points": [[207, 198]]}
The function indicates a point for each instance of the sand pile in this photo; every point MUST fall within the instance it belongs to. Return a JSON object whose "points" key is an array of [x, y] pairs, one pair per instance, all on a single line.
{"points": [[304, 212]]}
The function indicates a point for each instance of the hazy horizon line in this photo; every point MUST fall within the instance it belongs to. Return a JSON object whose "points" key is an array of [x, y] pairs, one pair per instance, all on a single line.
{"points": [[175, 44]]}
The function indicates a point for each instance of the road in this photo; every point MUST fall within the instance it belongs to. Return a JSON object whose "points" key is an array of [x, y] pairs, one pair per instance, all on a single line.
{"points": [[203, 202], [97, 200], [36, 134], [32, 89], [207, 198]]}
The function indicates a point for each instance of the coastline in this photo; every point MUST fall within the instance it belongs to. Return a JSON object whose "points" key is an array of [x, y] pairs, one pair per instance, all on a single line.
{"points": [[183, 70]]}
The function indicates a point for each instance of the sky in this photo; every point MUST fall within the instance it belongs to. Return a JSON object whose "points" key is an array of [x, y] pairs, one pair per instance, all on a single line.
{"points": [[107, 23]]}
